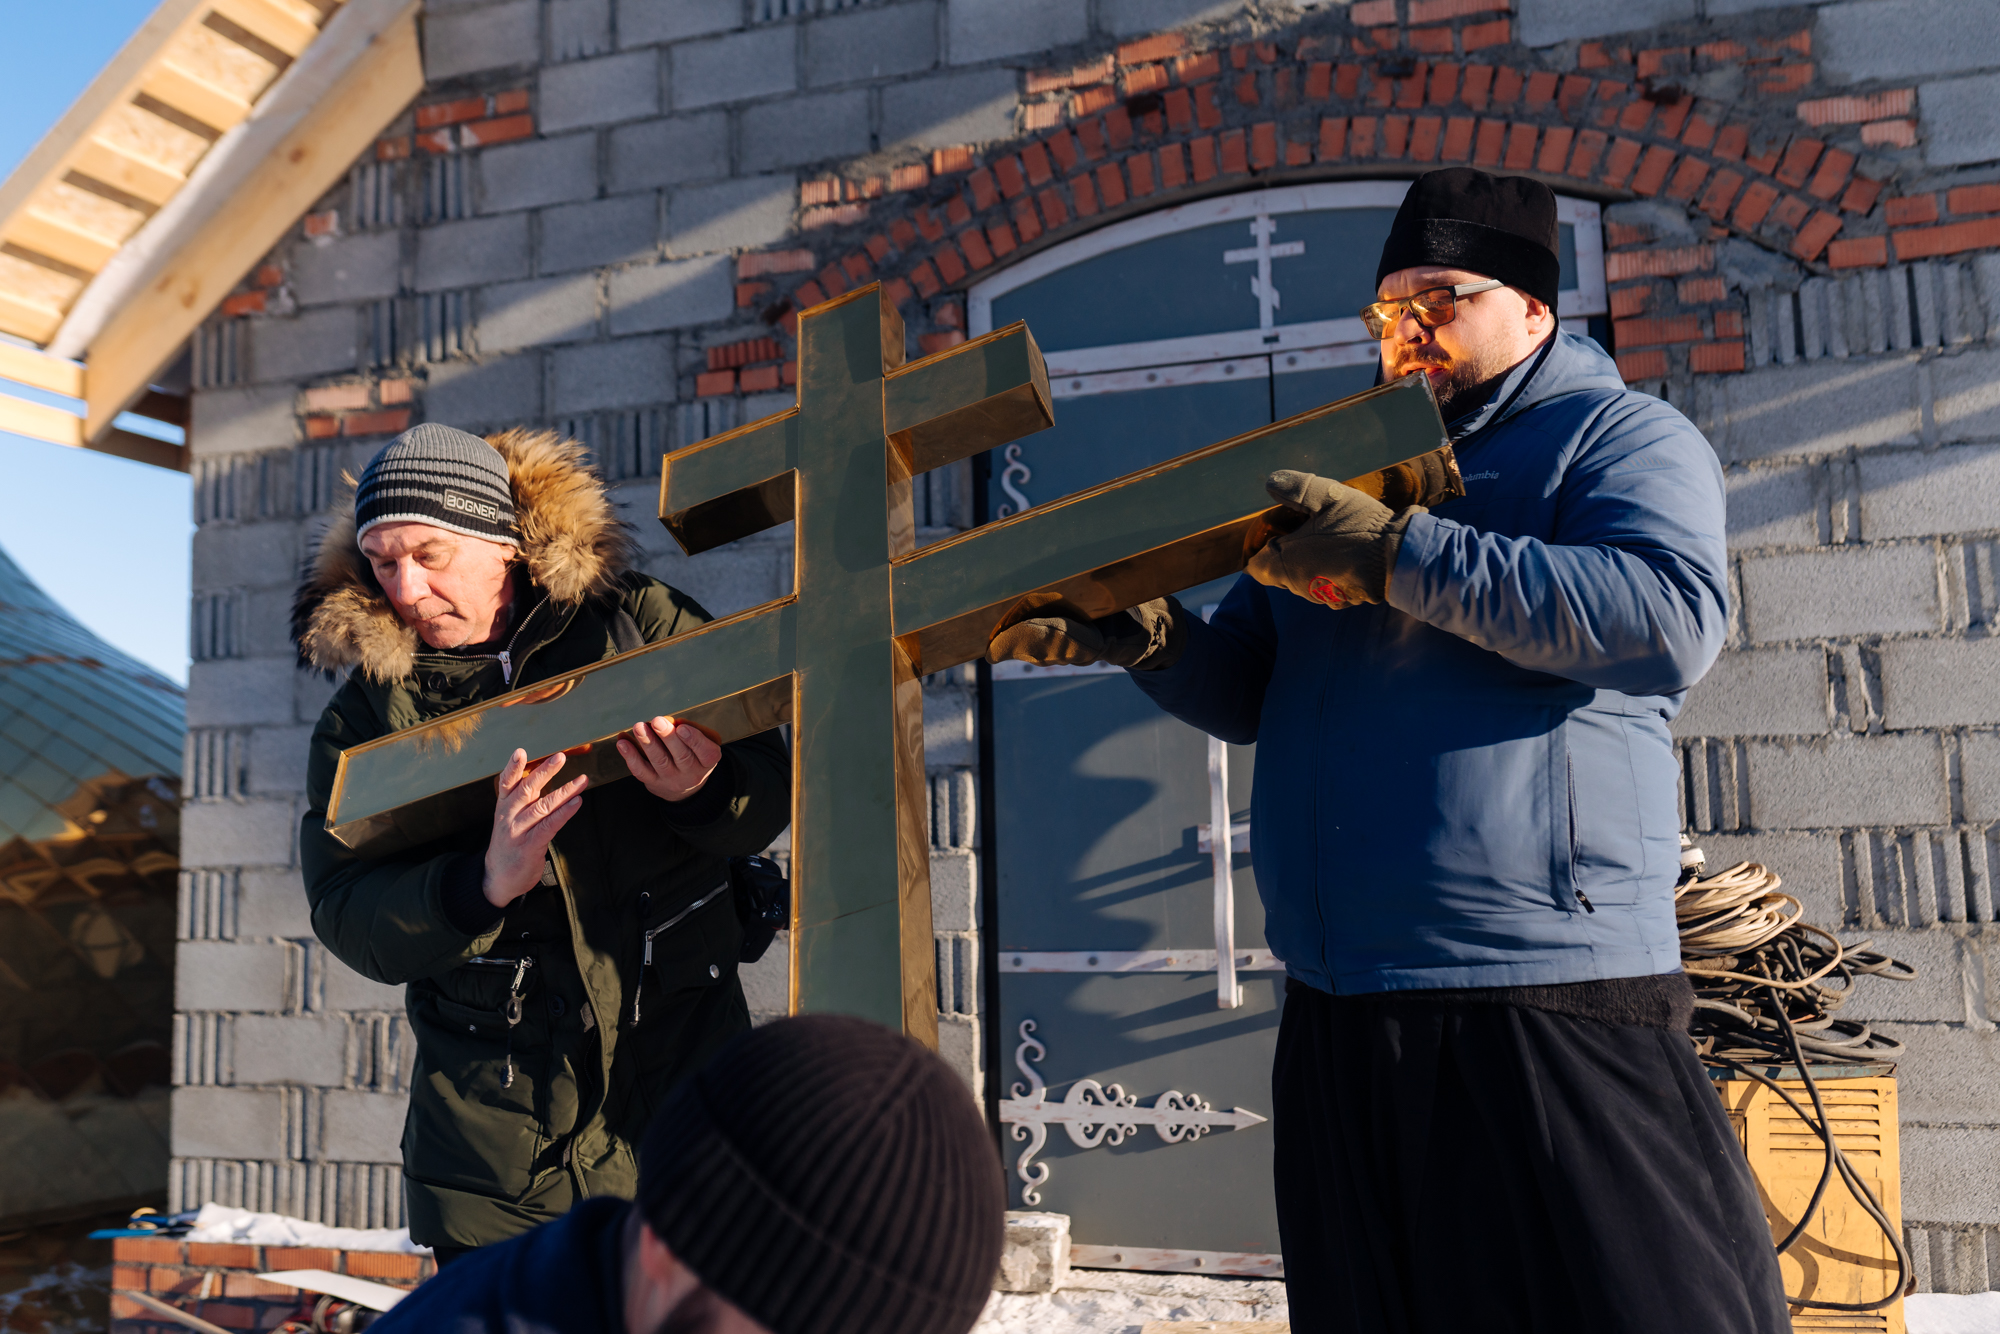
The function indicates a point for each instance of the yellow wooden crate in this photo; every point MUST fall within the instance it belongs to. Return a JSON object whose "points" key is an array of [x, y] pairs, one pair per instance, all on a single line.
{"points": [[1843, 1256]]}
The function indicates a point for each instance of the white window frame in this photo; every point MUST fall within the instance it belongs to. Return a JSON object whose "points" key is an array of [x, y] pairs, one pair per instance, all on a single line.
{"points": [[1326, 342]]}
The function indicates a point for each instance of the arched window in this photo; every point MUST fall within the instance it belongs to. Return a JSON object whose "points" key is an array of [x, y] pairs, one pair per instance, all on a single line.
{"points": [[1189, 325]]}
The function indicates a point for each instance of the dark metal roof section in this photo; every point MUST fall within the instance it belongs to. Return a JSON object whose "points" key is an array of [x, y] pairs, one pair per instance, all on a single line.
{"points": [[90, 757]]}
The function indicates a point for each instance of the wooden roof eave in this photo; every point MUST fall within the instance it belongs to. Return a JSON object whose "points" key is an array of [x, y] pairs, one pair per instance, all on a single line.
{"points": [[240, 200]]}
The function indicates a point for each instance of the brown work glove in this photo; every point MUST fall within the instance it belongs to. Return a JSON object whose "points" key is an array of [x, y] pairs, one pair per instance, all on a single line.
{"points": [[1343, 553], [1048, 630]]}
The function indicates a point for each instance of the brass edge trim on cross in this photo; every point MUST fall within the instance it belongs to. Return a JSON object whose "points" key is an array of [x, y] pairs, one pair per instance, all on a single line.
{"points": [[442, 728], [1008, 400]]}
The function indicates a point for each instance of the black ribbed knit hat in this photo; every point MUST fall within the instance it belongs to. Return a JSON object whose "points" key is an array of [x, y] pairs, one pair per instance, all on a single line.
{"points": [[829, 1176], [1461, 218], [442, 476]]}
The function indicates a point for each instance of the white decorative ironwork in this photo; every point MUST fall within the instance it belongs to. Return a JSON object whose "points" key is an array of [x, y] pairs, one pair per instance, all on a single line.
{"points": [[1093, 1114], [1015, 471], [1263, 253]]}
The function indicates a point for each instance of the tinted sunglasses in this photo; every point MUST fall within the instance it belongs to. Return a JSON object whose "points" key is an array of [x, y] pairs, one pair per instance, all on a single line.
{"points": [[1432, 307]]}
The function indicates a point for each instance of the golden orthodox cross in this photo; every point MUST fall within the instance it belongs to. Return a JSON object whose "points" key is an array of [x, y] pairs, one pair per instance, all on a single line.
{"points": [[843, 656]]}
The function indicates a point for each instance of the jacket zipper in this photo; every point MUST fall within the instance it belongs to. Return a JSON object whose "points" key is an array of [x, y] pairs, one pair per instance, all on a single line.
{"points": [[512, 1008], [1569, 769], [646, 953]]}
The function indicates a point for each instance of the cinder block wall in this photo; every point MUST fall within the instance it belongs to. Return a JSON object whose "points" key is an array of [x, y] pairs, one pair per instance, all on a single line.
{"points": [[603, 216]]}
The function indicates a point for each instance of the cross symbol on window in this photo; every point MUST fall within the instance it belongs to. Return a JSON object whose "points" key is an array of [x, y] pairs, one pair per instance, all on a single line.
{"points": [[1264, 252]]}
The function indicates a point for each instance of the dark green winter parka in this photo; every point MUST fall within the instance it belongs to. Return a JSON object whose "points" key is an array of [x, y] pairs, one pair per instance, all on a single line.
{"points": [[511, 1123]]}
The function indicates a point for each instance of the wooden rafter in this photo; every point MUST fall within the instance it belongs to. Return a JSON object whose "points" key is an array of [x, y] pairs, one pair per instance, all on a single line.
{"points": [[193, 71]]}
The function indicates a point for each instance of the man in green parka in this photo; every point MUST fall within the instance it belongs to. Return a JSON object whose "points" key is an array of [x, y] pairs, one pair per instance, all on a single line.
{"points": [[568, 964]]}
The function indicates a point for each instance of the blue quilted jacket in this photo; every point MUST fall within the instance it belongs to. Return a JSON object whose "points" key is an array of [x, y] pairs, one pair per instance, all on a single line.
{"points": [[1473, 784]]}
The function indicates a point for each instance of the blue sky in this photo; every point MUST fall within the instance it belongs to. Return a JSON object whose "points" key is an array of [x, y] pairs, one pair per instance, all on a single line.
{"points": [[107, 538]]}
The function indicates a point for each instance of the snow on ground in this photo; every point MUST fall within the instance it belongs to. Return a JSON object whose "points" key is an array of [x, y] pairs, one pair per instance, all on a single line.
{"points": [[1107, 1301], [1946, 1313]]}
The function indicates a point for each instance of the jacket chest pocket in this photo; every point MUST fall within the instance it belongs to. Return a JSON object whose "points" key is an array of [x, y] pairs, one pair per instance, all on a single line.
{"points": [[491, 1042], [690, 949]]}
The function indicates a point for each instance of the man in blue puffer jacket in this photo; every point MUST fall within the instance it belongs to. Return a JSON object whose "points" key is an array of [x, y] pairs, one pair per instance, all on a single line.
{"points": [[1465, 825]]}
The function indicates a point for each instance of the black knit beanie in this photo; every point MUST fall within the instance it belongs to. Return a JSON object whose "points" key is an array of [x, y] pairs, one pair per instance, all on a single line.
{"points": [[1461, 218], [829, 1176], [442, 476]]}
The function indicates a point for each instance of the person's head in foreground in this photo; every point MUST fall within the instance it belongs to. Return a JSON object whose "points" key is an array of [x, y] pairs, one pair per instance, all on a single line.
{"points": [[822, 1175], [1467, 283]]}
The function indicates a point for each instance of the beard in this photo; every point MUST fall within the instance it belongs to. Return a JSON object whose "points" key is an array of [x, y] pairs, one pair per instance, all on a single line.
{"points": [[1459, 385]]}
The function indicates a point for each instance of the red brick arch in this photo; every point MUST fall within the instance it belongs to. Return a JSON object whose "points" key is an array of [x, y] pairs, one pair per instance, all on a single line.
{"points": [[1158, 122]]}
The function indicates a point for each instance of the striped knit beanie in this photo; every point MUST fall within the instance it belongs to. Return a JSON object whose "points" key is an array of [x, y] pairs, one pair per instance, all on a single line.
{"points": [[441, 476], [829, 1176]]}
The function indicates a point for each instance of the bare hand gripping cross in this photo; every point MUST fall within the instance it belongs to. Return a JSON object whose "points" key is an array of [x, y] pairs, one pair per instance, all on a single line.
{"points": [[842, 658]]}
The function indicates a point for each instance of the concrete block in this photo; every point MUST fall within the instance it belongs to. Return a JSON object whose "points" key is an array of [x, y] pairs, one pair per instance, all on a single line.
{"points": [[277, 763], [730, 215], [871, 43], [1947, 989], [1902, 39], [973, 107], [224, 975], [1130, 18], [272, 903], [750, 573], [734, 68], [1808, 864], [496, 391], [289, 1049], [1941, 1176], [361, 1127], [239, 692], [954, 890], [241, 420], [1815, 407], [341, 988], [268, 633], [1959, 118], [1871, 590], [597, 92], [1909, 493], [1768, 692], [627, 372], [246, 555], [238, 833], [669, 151], [798, 130], [1940, 683], [312, 343], [228, 1123], [644, 22], [958, 1044], [1979, 775], [476, 250], [1772, 507], [767, 982], [673, 295], [477, 39], [1035, 1257], [579, 28], [948, 738], [604, 231], [536, 172], [348, 268], [977, 30], [1864, 780], [1965, 397], [1546, 22], [1947, 1073], [540, 310]]}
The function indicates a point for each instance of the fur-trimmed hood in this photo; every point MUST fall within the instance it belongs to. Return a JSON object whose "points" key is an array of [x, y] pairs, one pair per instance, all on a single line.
{"points": [[572, 544]]}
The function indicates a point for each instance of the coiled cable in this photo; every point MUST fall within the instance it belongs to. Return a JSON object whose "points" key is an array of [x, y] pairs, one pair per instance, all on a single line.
{"points": [[1766, 984]]}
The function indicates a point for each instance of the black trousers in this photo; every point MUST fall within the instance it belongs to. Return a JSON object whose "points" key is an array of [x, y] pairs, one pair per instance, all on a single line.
{"points": [[1448, 1166]]}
